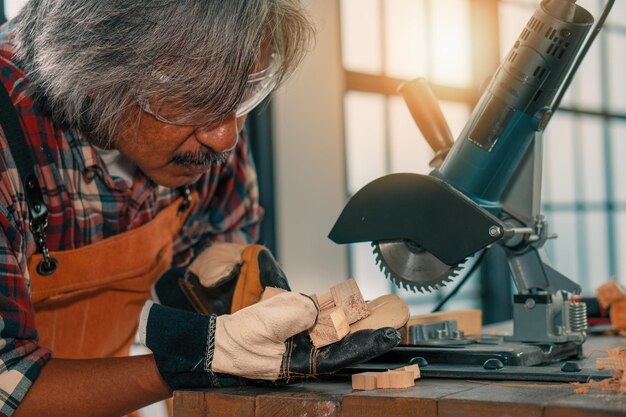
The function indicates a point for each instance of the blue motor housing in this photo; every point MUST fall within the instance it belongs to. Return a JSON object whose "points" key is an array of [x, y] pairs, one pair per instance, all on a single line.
{"points": [[517, 103]]}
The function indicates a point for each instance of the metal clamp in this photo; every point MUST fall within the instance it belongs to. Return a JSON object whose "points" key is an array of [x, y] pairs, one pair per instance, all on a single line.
{"points": [[186, 193], [48, 265]]}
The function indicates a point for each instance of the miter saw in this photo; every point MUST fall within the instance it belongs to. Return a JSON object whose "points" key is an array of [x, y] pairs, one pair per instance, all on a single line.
{"points": [[485, 190]]}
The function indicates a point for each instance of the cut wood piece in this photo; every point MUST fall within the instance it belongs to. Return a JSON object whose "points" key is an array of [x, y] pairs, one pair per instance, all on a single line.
{"points": [[394, 379], [348, 296], [269, 292], [382, 380], [608, 293], [385, 311], [325, 301], [617, 313], [467, 321], [415, 369], [401, 379], [330, 327], [364, 381]]}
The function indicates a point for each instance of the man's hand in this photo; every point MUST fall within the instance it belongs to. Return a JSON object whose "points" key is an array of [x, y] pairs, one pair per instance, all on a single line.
{"points": [[266, 341], [223, 279]]}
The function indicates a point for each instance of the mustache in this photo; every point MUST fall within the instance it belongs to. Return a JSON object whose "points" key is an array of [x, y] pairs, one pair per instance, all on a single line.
{"points": [[208, 158]]}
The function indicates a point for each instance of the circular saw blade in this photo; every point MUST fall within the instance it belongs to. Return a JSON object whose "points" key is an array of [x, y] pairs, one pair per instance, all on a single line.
{"points": [[411, 267]]}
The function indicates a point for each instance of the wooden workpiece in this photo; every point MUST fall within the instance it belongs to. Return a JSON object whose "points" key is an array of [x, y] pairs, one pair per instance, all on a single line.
{"points": [[364, 381], [395, 378], [338, 308], [348, 296], [608, 293], [385, 311], [325, 301], [330, 327], [612, 297], [414, 369], [617, 314]]}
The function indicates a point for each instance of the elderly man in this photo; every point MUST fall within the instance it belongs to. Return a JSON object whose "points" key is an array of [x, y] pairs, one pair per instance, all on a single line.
{"points": [[123, 163]]}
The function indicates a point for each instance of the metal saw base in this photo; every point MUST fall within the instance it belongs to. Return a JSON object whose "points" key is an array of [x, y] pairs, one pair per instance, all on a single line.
{"points": [[518, 361]]}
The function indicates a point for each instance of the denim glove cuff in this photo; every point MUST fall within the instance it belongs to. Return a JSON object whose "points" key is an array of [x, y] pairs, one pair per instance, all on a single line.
{"points": [[183, 344]]}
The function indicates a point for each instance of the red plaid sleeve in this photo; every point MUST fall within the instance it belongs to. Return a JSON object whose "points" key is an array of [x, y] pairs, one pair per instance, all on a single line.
{"points": [[21, 358]]}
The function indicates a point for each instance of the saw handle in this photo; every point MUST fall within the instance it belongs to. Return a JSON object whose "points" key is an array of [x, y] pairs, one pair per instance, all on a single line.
{"points": [[426, 112]]}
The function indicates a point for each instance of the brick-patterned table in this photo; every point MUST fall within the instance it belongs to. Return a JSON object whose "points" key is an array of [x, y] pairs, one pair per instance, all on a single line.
{"points": [[429, 398]]}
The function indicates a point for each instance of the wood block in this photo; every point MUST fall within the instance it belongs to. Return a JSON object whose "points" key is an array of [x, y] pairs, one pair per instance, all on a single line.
{"points": [[382, 380], [348, 296], [325, 301], [401, 379], [269, 292], [617, 313], [385, 311], [468, 321], [394, 379], [330, 327], [415, 369], [608, 293], [364, 381]]}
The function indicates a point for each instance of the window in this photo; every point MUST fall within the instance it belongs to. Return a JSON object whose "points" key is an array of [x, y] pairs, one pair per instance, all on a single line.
{"points": [[457, 44], [385, 42], [12, 7]]}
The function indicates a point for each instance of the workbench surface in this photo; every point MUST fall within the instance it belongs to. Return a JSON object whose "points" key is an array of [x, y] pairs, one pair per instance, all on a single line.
{"points": [[429, 398]]}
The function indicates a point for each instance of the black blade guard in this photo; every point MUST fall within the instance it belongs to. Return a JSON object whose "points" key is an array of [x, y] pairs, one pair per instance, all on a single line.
{"points": [[419, 208]]}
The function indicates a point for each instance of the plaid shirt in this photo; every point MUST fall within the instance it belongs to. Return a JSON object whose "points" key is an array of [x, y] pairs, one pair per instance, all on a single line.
{"points": [[87, 205]]}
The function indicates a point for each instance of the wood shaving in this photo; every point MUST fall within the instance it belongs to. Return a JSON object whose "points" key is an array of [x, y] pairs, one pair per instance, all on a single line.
{"points": [[615, 360]]}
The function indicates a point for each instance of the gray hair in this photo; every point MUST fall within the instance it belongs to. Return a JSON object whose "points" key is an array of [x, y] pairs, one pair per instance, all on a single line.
{"points": [[89, 62]]}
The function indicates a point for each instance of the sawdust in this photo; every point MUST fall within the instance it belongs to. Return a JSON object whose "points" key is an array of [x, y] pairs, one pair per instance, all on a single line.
{"points": [[615, 360]]}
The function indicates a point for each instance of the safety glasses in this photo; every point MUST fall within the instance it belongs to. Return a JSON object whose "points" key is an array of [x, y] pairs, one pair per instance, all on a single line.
{"points": [[260, 84]]}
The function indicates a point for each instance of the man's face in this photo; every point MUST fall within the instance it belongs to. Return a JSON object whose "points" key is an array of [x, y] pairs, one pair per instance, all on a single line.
{"points": [[173, 155]]}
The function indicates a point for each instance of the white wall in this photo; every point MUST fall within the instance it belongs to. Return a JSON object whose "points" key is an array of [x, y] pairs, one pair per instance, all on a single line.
{"points": [[309, 147]]}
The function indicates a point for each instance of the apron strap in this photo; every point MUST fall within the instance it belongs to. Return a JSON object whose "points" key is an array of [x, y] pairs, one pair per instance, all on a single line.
{"points": [[38, 212]]}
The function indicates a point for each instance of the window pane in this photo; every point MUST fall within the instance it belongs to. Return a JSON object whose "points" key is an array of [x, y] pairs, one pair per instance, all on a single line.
{"points": [[513, 17], [620, 220], [365, 138], [563, 251], [369, 277], [457, 115], [594, 6], [618, 153], [406, 39], [590, 142], [361, 35], [409, 150], [596, 252], [586, 88], [618, 14], [450, 43], [12, 7], [617, 68], [559, 184]]}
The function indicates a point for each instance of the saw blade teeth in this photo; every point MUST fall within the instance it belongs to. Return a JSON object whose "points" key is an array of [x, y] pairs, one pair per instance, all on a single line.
{"points": [[416, 281]]}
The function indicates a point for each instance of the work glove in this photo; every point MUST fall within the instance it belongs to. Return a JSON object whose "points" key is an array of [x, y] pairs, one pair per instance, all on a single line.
{"points": [[263, 342], [223, 279]]}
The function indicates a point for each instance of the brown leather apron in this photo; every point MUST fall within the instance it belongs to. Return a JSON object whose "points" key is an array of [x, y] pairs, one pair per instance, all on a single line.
{"points": [[89, 308]]}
